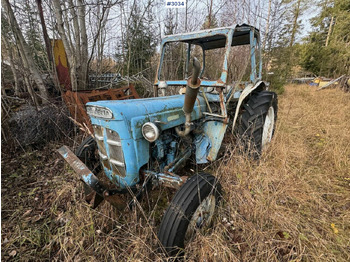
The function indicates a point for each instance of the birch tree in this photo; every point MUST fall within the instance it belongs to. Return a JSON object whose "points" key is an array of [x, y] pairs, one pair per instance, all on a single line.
{"points": [[295, 26], [267, 26], [74, 37], [25, 52], [9, 51]]}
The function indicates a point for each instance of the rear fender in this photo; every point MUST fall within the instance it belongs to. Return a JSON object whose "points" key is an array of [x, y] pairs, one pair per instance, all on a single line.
{"points": [[245, 93]]}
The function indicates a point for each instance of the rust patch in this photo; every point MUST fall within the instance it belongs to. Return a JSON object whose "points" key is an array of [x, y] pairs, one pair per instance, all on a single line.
{"points": [[76, 101], [222, 104], [116, 200]]}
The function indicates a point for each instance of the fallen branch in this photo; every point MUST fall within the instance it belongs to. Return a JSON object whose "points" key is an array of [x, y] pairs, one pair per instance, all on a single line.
{"points": [[15, 98], [330, 83]]}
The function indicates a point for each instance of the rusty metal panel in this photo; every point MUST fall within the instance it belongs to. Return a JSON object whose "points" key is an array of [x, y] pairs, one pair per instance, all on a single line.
{"points": [[81, 169], [76, 101], [95, 192], [61, 63]]}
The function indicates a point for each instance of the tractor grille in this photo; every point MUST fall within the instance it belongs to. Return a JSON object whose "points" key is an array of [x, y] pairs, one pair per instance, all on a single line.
{"points": [[101, 146], [115, 152], [116, 156]]}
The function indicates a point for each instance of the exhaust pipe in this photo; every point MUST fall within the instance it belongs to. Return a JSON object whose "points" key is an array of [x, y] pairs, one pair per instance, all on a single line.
{"points": [[192, 90]]}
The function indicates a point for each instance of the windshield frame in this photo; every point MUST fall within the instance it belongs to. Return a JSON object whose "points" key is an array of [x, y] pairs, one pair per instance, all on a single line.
{"points": [[227, 33], [233, 37]]}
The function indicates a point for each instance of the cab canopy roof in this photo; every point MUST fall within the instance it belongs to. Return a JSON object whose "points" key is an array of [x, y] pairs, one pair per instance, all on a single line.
{"points": [[215, 37]]}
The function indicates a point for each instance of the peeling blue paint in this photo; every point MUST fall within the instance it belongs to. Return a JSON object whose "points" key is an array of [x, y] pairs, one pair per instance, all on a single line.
{"points": [[203, 146], [215, 131], [88, 178]]}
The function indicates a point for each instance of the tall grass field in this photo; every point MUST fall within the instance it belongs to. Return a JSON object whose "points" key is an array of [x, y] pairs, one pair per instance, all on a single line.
{"points": [[291, 205]]}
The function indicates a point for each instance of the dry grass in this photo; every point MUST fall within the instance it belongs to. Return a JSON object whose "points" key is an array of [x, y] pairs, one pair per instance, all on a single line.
{"points": [[283, 207], [294, 205]]}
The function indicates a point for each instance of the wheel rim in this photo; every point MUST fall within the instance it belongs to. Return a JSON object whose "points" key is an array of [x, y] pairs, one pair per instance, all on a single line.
{"points": [[268, 127], [202, 217]]}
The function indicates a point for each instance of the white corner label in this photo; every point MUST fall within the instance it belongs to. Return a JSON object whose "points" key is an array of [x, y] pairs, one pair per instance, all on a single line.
{"points": [[175, 3]]}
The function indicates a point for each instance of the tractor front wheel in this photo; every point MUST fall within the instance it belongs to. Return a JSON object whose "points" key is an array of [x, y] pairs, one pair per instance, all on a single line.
{"points": [[191, 210], [87, 153]]}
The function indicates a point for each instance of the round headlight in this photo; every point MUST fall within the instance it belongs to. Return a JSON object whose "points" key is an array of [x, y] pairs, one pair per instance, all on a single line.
{"points": [[150, 132]]}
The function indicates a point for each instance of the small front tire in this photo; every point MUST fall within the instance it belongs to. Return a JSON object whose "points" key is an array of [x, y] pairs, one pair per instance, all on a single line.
{"points": [[87, 153], [191, 209]]}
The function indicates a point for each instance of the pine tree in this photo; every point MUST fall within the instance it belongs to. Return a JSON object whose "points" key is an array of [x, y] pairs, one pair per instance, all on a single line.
{"points": [[326, 52], [284, 51], [32, 34], [139, 43]]}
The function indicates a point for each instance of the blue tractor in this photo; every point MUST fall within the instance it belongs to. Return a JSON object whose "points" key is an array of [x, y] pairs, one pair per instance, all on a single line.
{"points": [[143, 143]]}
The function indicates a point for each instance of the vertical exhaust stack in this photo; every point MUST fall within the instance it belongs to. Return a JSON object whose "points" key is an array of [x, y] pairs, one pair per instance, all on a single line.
{"points": [[192, 90]]}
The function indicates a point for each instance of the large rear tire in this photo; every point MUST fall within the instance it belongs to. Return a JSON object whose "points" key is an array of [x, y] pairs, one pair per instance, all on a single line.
{"points": [[257, 122], [191, 209]]}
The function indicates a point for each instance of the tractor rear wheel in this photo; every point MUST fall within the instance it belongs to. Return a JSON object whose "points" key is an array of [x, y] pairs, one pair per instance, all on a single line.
{"points": [[257, 122], [191, 210]]}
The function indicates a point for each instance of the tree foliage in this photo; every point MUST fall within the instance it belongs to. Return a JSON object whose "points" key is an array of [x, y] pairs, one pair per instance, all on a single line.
{"points": [[127, 32], [140, 42], [33, 35], [329, 57]]}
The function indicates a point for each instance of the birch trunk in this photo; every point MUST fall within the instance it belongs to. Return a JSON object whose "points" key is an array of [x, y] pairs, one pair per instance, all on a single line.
{"points": [[295, 24], [329, 31], [12, 64], [26, 55], [76, 37], [267, 25], [48, 46], [210, 11], [84, 55], [30, 90], [76, 50]]}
